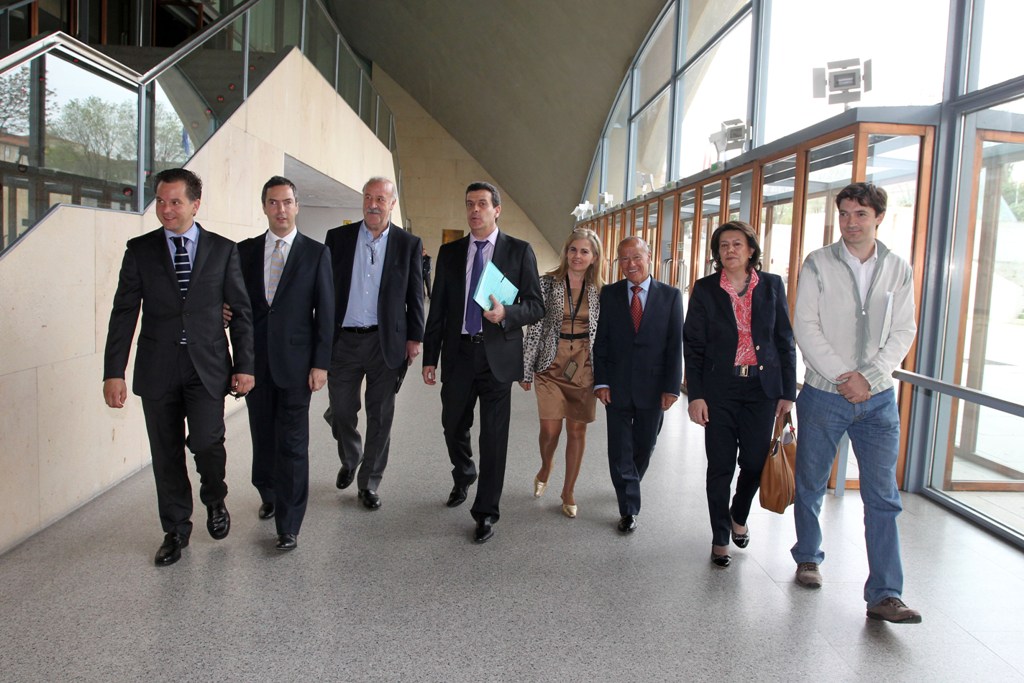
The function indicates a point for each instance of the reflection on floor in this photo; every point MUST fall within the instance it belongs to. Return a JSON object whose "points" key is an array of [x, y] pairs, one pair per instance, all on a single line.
{"points": [[401, 593]]}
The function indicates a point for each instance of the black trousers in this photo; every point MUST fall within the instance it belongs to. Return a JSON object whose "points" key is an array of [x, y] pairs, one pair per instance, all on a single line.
{"points": [[279, 424], [469, 380], [632, 435], [741, 418], [353, 358], [186, 400]]}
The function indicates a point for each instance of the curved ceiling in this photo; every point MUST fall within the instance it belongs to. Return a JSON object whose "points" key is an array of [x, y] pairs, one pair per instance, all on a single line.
{"points": [[524, 85]]}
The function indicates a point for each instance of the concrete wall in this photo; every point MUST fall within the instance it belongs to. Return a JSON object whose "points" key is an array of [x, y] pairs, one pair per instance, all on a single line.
{"points": [[60, 446], [435, 172]]}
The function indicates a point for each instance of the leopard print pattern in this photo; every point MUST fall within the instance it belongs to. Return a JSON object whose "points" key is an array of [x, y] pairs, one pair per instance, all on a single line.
{"points": [[541, 342]]}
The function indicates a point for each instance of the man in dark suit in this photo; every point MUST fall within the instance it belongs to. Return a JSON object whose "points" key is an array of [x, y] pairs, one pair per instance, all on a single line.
{"points": [[638, 367], [481, 351], [181, 275], [288, 277], [379, 331]]}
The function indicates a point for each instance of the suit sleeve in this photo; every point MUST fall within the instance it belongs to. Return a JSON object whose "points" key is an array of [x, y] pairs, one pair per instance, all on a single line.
{"points": [[674, 344], [433, 332], [784, 344], [414, 293], [324, 312], [601, 347], [124, 316], [695, 341], [529, 306], [241, 328]]}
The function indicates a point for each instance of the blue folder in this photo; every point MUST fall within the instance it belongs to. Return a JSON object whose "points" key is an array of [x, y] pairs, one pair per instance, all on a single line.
{"points": [[493, 281]]}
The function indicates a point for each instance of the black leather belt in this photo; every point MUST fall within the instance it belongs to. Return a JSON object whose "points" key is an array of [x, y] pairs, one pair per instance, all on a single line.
{"points": [[746, 370], [578, 335], [360, 330], [477, 338]]}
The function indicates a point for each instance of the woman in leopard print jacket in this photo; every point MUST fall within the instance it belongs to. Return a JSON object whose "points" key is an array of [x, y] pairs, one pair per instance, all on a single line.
{"points": [[557, 357]]}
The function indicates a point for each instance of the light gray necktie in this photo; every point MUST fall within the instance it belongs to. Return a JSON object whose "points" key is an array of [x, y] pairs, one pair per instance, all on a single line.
{"points": [[276, 267]]}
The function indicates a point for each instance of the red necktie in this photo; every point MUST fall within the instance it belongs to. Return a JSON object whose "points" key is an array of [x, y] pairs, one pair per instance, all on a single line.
{"points": [[636, 310]]}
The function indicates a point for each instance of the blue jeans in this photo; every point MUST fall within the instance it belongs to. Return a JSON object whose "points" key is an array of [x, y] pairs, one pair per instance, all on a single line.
{"points": [[874, 429]]}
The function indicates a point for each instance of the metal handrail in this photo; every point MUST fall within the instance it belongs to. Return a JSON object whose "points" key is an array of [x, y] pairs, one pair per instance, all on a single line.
{"points": [[58, 39], [957, 391], [193, 43], [93, 58]]}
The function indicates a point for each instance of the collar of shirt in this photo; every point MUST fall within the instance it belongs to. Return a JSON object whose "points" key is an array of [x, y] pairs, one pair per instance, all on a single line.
{"points": [[862, 270], [191, 237], [288, 239], [491, 239], [645, 287], [854, 260]]}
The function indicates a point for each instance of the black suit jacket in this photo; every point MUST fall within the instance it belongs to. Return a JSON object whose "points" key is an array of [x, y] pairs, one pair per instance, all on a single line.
{"points": [[400, 300], [710, 338], [639, 366], [503, 345], [295, 333], [147, 280]]}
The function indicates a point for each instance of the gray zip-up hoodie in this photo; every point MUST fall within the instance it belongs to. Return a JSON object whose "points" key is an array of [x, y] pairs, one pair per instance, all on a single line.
{"points": [[838, 333]]}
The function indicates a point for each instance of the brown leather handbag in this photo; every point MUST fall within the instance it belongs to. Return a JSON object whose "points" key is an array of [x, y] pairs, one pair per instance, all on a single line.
{"points": [[778, 486]]}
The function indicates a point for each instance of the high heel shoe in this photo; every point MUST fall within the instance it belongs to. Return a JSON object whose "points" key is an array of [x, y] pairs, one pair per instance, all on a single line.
{"points": [[539, 487], [569, 511], [741, 540]]}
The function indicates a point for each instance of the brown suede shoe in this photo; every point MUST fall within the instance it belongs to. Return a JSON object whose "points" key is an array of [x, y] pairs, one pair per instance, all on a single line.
{"points": [[894, 610], [807, 575]]}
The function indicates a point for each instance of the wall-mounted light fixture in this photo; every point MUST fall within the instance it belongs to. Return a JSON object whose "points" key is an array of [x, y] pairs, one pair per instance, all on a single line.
{"points": [[843, 81], [583, 210], [733, 135]]}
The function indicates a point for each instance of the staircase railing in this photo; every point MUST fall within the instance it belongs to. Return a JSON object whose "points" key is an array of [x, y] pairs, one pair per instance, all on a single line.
{"points": [[78, 126]]}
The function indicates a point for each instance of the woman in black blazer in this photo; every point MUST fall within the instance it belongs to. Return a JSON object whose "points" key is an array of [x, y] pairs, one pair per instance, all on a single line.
{"points": [[740, 375]]}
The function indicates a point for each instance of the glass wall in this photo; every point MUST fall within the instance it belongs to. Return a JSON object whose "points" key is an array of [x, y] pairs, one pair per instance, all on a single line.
{"points": [[615, 147], [651, 162], [712, 90], [805, 35], [980, 461], [996, 26], [69, 119]]}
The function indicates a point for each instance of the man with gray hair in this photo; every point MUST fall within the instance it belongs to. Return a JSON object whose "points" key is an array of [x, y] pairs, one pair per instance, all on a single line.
{"points": [[638, 369], [378, 287]]}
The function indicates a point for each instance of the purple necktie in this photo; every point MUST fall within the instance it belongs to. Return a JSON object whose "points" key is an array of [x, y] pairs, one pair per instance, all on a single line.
{"points": [[474, 314]]}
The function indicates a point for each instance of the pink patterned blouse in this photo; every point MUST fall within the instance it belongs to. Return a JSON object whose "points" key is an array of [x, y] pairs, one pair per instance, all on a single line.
{"points": [[745, 354]]}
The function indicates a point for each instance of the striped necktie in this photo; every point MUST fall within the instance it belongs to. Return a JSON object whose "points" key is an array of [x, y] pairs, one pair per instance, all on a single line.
{"points": [[276, 268], [183, 271], [182, 266]]}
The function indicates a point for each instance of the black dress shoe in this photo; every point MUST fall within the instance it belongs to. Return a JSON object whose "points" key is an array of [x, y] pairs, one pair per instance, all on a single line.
{"points": [[170, 550], [266, 511], [218, 521], [741, 540], [345, 477], [721, 560], [370, 498], [484, 531], [458, 496], [627, 524], [287, 542]]}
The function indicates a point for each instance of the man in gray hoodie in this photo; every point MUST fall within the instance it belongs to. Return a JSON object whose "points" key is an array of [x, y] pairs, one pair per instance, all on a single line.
{"points": [[854, 324]]}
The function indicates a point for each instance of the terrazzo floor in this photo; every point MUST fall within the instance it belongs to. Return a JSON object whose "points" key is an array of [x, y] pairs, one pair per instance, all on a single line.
{"points": [[402, 594]]}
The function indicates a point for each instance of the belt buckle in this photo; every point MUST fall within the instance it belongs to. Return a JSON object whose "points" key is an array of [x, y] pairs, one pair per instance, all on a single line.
{"points": [[744, 371]]}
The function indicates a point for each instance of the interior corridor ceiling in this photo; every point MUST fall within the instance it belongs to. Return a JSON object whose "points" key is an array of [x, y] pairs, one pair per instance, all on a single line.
{"points": [[524, 85]]}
